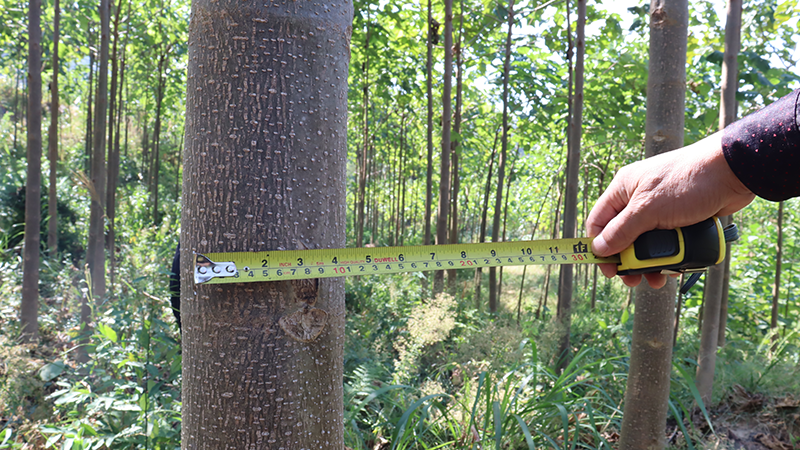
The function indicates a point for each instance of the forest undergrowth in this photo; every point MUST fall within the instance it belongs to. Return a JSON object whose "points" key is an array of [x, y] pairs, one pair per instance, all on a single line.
{"points": [[420, 373]]}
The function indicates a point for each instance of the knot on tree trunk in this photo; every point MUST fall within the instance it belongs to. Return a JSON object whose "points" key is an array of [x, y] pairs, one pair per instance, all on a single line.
{"points": [[304, 325]]}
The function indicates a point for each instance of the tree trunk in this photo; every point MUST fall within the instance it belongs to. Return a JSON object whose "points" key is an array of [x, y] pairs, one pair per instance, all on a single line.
{"points": [[95, 255], [715, 286], [647, 392], [17, 77], [484, 214], [364, 162], [89, 106], [52, 198], [727, 115], [776, 288], [709, 331], [501, 166], [444, 160], [556, 221], [163, 63], [111, 182], [505, 221], [564, 310], [533, 236], [113, 176], [429, 128], [456, 144], [262, 362], [29, 308]]}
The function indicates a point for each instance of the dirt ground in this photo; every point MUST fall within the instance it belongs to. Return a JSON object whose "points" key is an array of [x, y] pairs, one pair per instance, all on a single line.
{"points": [[750, 421]]}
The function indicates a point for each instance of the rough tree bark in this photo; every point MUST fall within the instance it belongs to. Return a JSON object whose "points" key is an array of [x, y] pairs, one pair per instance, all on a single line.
{"points": [[29, 308], [264, 169], [52, 138], [444, 160], [501, 165], [564, 309], [647, 392]]}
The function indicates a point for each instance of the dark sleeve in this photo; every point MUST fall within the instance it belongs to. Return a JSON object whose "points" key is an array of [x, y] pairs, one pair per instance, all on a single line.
{"points": [[763, 149]]}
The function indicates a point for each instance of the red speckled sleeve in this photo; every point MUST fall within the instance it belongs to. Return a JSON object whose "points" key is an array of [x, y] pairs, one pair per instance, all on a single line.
{"points": [[763, 149]]}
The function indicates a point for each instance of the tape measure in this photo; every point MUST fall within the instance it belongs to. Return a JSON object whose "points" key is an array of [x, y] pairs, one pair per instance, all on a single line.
{"points": [[680, 250]]}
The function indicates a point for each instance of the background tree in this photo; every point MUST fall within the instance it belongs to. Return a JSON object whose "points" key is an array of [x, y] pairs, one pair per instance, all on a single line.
{"points": [[52, 140], [715, 281], [727, 115], [277, 147], [501, 164], [444, 161], [574, 129], [29, 308], [647, 390]]}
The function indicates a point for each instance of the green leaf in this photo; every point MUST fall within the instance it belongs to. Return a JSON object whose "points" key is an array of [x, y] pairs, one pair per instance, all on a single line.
{"points": [[625, 316], [107, 332], [52, 370]]}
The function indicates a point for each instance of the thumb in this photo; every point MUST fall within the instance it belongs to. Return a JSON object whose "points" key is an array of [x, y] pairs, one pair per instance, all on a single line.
{"points": [[621, 231]]}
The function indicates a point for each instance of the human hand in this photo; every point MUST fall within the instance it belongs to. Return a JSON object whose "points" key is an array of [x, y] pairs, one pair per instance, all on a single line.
{"points": [[674, 189]]}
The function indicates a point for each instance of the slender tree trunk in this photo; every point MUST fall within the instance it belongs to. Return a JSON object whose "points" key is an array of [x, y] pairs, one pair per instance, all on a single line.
{"points": [[715, 289], [429, 128], [728, 108], [678, 309], [113, 176], [52, 198], [266, 358], [456, 144], [444, 161], [533, 236], [16, 102], [501, 166], [600, 188], [89, 106], [402, 216], [163, 63], [29, 308], [709, 330], [505, 221], [484, 214], [362, 179], [647, 392], [776, 288], [556, 221], [111, 181], [564, 310], [95, 254]]}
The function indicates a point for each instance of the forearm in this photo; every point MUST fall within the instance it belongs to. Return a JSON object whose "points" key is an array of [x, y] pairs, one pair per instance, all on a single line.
{"points": [[763, 149]]}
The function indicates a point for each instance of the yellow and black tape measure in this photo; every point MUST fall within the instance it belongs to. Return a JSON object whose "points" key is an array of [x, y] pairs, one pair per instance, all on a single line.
{"points": [[680, 250]]}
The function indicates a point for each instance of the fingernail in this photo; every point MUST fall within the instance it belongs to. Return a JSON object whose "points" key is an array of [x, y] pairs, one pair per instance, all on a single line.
{"points": [[599, 246]]}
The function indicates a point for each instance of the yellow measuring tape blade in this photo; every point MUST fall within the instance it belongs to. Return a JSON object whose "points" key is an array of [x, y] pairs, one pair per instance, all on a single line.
{"points": [[245, 267]]}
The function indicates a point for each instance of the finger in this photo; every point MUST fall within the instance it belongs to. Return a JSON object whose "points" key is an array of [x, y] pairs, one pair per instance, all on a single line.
{"points": [[656, 280], [631, 280], [609, 269], [622, 230], [607, 207]]}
